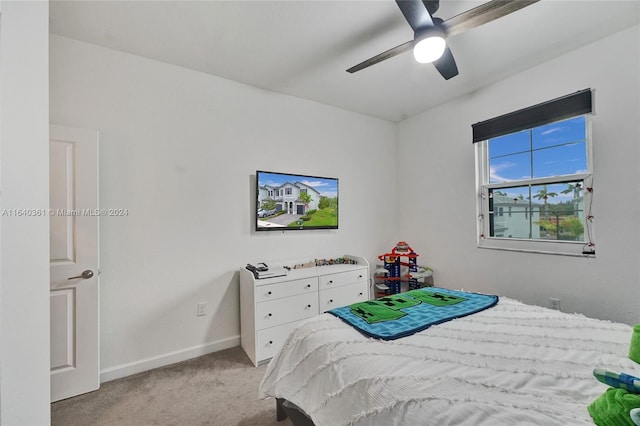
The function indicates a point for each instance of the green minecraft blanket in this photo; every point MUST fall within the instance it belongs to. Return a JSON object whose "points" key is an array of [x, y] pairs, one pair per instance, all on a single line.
{"points": [[404, 314]]}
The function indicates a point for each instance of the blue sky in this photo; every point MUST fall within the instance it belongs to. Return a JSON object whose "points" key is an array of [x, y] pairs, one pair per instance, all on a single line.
{"points": [[551, 150], [325, 186]]}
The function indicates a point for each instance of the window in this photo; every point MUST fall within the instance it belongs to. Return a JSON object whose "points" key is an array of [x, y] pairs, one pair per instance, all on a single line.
{"points": [[540, 176]]}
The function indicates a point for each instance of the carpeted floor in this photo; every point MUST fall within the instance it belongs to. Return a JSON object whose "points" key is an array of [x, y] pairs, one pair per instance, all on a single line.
{"points": [[215, 389]]}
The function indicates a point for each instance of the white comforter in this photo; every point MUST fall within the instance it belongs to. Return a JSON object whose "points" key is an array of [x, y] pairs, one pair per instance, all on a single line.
{"points": [[513, 364]]}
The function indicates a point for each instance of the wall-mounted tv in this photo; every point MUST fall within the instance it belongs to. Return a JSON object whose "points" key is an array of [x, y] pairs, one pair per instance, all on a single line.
{"points": [[288, 201]]}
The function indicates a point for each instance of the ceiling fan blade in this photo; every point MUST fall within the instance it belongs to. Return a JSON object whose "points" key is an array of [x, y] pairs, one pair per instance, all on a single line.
{"points": [[483, 14], [431, 5], [446, 65], [416, 13], [382, 56]]}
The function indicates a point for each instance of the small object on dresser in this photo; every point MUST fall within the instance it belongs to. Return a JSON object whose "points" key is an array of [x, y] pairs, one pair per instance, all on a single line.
{"points": [[263, 271]]}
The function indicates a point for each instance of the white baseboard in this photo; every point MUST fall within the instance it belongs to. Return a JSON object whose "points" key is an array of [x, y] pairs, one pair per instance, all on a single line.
{"points": [[125, 370]]}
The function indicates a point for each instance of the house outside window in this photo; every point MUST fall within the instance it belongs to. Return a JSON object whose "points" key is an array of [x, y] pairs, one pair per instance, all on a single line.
{"points": [[541, 176]]}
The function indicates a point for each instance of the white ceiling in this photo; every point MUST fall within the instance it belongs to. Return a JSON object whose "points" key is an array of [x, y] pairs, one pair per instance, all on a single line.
{"points": [[302, 48]]}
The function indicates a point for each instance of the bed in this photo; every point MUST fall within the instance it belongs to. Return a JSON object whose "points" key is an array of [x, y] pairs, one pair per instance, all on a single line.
{"points": [[511, 364]]}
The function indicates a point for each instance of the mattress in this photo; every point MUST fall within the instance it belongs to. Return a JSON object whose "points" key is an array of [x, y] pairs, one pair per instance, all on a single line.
{"points": [[512, 364]]}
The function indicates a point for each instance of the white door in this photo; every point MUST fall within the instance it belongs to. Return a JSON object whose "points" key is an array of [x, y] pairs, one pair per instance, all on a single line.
{"points": [[74, 290]]}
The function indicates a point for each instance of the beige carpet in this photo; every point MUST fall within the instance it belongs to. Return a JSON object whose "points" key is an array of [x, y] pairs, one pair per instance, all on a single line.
{"points": [[216, 389]]}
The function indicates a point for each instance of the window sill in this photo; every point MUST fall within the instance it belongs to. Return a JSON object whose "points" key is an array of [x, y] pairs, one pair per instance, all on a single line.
{"points": [[558, 248]]}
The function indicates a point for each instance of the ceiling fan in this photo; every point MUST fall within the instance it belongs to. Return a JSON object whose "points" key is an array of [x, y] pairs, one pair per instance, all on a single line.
{"points": [[430, 33]]}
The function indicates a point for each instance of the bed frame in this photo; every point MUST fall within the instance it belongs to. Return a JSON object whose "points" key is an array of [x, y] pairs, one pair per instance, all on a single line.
{"points": [[286, 409]]}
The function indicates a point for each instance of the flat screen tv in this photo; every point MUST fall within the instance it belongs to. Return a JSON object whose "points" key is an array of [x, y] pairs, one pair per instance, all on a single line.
{"points": [[288, 201]]}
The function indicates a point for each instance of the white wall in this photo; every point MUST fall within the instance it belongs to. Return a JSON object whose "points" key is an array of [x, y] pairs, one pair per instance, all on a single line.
{"points": [[179, 150], [24, 241], [436, 159]]}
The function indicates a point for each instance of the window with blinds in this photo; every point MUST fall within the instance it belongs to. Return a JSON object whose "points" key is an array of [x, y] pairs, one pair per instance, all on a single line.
{"points": [[535, 178]]}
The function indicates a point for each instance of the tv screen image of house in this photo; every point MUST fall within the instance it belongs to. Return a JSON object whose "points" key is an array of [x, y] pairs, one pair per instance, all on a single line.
{"points": [[295, 202]]}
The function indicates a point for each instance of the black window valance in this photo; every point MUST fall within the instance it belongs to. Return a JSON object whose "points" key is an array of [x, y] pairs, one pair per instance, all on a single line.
{"points": [[557, 109]]}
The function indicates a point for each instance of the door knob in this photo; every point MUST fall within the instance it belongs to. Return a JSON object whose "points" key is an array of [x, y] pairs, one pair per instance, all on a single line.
{"points": [[85, 275]]}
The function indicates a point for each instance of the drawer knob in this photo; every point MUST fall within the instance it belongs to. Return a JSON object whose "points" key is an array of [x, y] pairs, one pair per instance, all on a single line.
{"points": [[330, 281], [308, 306], [308, 285], [330, 300], [271, 342], [359, 276], [360, 294], [269, 315], [269, 293]]}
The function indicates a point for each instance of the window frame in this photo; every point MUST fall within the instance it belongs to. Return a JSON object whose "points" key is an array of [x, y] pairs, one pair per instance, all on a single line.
{"points": [[559, 247]]}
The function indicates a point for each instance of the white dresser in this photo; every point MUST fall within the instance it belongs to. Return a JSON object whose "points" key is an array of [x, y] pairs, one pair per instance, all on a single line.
{"points": [[270, 308]]}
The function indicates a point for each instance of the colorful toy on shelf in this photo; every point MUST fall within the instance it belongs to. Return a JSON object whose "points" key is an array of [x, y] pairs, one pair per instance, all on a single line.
{"points": [[389, 277]]}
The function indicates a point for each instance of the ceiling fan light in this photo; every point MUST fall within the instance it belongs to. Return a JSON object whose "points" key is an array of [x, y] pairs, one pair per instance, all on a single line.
{"points": [[429, 49]]}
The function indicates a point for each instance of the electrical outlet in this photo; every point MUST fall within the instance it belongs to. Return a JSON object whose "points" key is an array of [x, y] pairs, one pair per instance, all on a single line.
{"points": [[554, 303], [201, 309]]}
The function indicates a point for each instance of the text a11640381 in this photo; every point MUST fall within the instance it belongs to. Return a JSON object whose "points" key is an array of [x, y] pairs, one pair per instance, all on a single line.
{"points": [[31, 212]]}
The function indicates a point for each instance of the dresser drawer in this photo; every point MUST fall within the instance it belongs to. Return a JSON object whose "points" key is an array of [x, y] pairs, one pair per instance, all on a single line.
{"points": [[343, 295], [343, 278], [270, 340], [286, 289], [282, 311]]}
